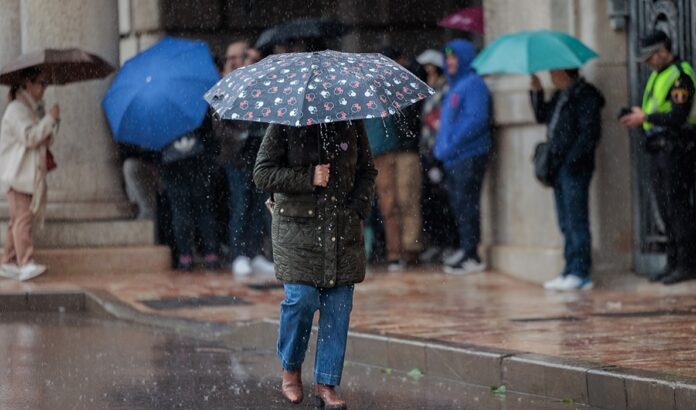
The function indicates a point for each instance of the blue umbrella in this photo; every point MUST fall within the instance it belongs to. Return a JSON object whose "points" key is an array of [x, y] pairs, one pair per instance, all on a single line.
{"points": [[300, 89], [158, 95]]}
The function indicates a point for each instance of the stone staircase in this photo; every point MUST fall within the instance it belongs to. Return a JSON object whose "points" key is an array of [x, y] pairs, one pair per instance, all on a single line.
{"points": [[100, 247]]}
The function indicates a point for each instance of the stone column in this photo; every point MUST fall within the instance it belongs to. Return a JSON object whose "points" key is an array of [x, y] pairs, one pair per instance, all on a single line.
{"points": [[10, 40], [10, 48], [87, 184]]}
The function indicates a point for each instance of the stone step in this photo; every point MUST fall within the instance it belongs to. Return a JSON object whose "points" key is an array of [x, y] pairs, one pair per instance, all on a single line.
{"points": [[105, 260], [89, 234]]}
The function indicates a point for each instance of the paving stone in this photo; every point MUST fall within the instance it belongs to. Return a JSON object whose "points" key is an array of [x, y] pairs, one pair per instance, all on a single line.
{"points": [[469, 366], [685, 395], [649, 390], [564, 379], [606, 389], [406, 355]]}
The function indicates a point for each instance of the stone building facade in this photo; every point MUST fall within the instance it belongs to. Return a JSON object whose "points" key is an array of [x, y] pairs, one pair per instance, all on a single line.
{"points": [[520, 230]]}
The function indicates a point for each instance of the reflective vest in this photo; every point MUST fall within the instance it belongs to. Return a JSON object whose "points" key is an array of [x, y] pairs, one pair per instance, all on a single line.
{"points": [[656, 97]]}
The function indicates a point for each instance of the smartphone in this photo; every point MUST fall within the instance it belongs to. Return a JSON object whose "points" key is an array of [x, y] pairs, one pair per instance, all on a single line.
{"points": [[624, 111]]}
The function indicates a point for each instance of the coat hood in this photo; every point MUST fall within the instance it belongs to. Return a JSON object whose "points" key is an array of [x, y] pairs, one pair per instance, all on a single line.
{"points": [[465, 53]]}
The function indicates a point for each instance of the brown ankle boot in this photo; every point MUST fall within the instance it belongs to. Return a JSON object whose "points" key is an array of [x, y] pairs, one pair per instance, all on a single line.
{"points": [[325, 397], [292, 386]]}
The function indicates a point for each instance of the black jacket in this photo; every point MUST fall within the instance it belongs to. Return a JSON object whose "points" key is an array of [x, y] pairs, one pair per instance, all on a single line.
{"points": [[318, 232], [574, 131]]}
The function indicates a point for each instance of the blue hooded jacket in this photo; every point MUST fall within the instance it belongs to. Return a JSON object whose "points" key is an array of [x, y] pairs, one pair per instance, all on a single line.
{"points": [[465, 114]]}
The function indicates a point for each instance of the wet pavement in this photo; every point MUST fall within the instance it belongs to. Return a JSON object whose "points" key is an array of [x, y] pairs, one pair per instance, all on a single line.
{"points": [[79, 361], [628, 322]]}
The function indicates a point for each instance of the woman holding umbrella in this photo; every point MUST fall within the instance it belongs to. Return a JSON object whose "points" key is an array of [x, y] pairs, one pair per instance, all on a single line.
{"points": [[24, 137], [315, 159], [322, 177]]}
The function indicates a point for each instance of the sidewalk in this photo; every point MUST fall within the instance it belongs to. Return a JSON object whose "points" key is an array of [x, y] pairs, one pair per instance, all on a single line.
{"points": [[628, 324]]}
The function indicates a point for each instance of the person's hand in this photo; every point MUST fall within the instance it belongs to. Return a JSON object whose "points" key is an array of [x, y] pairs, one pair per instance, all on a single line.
{"points": [[321, 175], [535, 83], [635, 119], [55, 112]]}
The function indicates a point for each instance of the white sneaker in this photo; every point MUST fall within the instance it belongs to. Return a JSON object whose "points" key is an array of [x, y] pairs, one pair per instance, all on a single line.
{"points": [[454, 258], [572, 282], [242, 266], [262, 266], [397, 266], [554, 283], [467, 266], [9, 270], [30, 271]]}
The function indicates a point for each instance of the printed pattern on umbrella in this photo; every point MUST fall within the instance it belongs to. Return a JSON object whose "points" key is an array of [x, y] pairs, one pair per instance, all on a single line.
{"points": [[299, 89]]}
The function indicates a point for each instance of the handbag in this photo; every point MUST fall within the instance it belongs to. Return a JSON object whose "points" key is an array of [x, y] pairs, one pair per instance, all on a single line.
{"points": [[50, 161], [542, 163]]}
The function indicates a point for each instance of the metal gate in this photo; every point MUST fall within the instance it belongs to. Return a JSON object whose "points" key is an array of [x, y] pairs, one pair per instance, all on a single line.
{"points": [[674, 17]]}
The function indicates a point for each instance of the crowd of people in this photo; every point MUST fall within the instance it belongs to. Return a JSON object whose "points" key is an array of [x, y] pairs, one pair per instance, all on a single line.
{"points": [[431, 160], [412, 181]]}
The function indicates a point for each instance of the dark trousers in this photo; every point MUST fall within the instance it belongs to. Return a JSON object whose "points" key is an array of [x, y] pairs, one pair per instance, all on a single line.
{"points": [[672, 179], [437, 216], [464, 181], [572, 192], [248, 214], [189, 189]]}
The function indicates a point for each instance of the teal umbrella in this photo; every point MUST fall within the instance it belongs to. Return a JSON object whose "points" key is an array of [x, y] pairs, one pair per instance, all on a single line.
{"points": [[527, 52]]}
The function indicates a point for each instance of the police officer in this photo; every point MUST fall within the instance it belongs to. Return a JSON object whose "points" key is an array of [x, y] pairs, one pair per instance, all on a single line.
{"points": [[669, 121]]}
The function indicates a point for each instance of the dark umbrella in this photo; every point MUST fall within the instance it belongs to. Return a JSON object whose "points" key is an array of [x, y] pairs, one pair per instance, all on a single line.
{"points": [[301, 89], [304, 28], [60, 66]]}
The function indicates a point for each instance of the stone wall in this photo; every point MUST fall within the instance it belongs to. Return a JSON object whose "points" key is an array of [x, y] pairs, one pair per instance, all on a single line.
{"points": [[409, 24]]}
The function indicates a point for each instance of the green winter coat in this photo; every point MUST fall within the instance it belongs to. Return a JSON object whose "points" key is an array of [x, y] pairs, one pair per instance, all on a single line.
{"points": [[317, 232]]}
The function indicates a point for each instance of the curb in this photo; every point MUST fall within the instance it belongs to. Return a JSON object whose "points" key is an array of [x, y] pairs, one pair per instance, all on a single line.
{"points": [[568, 380]]}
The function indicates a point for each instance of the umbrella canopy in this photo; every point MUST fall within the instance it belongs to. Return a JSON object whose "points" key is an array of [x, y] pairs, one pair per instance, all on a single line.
{"points": [[158, 95], [301, 89], [466, 19], [61, 66], [304, 28], [531, 51]]}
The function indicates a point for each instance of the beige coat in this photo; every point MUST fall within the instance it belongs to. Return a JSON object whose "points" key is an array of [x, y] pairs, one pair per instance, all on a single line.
{"points": [[23, 140]]}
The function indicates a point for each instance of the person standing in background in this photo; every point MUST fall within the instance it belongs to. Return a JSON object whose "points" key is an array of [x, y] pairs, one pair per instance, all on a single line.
{"points": [[239, 143], [25, 135], [462, 145]]}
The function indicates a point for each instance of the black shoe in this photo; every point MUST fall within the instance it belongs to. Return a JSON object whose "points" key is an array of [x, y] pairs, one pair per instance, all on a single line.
{"points": [[658, 276], [679, 275]]}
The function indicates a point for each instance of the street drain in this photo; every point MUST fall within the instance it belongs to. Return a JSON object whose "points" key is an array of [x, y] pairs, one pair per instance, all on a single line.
{"points": [[195, 302], [649, 313], [265, 286], [547, 319], [618, 315]]}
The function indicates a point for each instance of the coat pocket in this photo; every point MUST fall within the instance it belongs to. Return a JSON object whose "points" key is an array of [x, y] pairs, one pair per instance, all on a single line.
{"points": [[294, 223], [295, 209]]}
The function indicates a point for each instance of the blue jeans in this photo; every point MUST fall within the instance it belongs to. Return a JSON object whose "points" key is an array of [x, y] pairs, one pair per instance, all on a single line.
{"points": [[464, 181], [296, 314], [571, 192], [248, 214]]}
